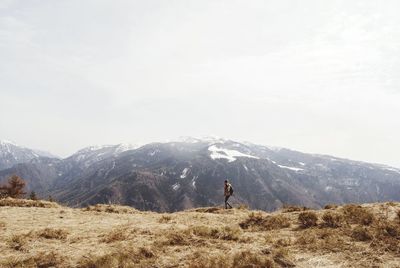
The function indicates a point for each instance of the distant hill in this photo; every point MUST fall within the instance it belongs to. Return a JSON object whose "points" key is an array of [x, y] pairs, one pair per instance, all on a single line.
{"points": [[174, 176]]}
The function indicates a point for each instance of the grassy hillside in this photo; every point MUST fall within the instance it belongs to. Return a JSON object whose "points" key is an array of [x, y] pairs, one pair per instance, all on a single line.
{"points": [[44, 234]]}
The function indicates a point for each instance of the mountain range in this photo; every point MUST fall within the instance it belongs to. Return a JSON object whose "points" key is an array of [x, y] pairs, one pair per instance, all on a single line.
{"points": [[178, 175]]}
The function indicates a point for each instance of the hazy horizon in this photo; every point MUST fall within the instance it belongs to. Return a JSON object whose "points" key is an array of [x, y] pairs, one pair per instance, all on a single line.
{"points": [[314, 76]]}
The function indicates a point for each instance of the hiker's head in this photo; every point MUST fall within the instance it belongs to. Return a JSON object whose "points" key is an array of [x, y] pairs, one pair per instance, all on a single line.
{"points": [[226, 181]]}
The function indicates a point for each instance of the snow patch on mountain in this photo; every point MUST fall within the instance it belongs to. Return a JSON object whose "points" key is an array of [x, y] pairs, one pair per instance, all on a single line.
{"points": [[230, 155], [176, 186], [184, 173], [291, 168]]}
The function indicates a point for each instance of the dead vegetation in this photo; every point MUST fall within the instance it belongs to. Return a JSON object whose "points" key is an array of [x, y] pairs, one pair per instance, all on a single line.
{"points": [[114, 236], [112, 209], [308, 219], [41, 260], [52, 233], [356, 214], [11, 202], [258, 222], [120, 257], [293, 208]]}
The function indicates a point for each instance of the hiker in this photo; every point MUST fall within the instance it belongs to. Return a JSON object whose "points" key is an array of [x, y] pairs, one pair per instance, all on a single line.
{"points": [[228, 191]]}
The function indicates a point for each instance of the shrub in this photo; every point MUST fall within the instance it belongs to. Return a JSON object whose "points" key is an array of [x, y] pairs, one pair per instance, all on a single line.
{"points": [[308, 219], [50, 233], [257, 222], [358, 215], [332, 220], [361, 234], [14, 188], [398, 215]]}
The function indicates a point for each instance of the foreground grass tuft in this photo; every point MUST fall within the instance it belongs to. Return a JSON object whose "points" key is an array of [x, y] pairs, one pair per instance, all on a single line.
{"points": [[258, 222], [308, 219]]}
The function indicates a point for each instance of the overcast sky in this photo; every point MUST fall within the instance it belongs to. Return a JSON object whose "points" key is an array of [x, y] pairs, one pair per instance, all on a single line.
{"points": [[311, 75]]}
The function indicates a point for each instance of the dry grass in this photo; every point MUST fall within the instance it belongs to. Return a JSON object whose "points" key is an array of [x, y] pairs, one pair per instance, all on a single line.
{"points": [[112, 209], [40, 260], [53, 233], [2, 224], [258, 222], [225, 233], [115, 235], [11, 202], [308, 219], [111, 236], [18, 241], [361, 233], [292, 208], [332, 219], [248, 258], [165, 219], [356, 214], [331, 206], [121, 257]]}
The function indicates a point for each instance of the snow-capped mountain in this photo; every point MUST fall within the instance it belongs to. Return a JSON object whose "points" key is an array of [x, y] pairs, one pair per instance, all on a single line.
{"points": [[12, 154], [178, 175]]}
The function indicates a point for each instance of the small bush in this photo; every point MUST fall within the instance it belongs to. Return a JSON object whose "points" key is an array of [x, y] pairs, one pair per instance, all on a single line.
{"points": [[358, 215], [14, 188], [308, 219], [257, 222], [50, 233], [360, 233], [398, 215], [333, 220], [293, 208]]}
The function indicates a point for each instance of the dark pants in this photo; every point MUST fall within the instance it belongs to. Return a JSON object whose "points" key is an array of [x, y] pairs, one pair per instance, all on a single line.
{"points": [[226, 202]]}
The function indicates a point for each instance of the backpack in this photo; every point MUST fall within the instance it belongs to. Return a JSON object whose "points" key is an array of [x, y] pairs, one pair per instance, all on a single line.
{"points": [[230, 190]]}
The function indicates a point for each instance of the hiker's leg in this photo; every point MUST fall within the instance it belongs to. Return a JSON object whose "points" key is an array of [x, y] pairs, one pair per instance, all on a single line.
{"points": [[226, 202], [226, 198]]}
